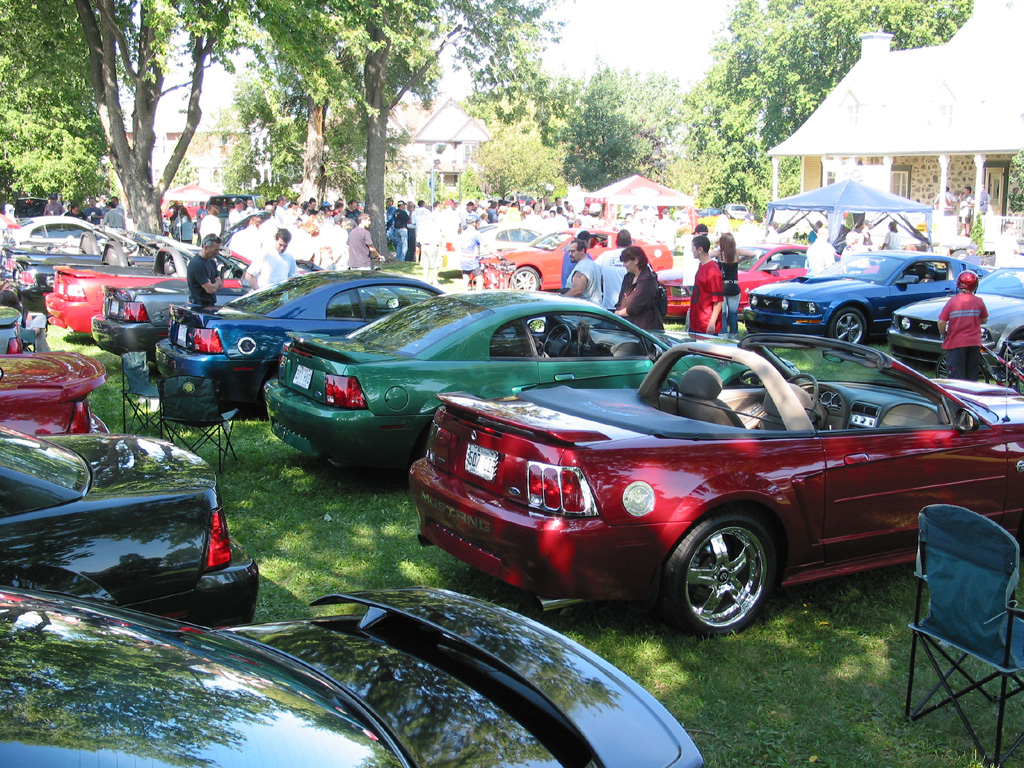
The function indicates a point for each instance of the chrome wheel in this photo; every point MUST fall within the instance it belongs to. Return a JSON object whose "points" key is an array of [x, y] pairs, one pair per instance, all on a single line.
{"points": [[848, 325], [719, 577], [525, 279]]}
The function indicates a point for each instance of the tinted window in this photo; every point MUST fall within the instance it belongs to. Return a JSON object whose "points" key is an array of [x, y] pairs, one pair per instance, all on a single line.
{"points": [[583, 335], [512, 340], [344, 305], [1004, 282], [381, 300], [417, 328], [550, 241], [270, 299], [869, 267]]}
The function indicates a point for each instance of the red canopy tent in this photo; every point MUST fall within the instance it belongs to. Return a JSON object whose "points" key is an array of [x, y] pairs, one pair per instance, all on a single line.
{"points": [[190, 194], [639, 192]]}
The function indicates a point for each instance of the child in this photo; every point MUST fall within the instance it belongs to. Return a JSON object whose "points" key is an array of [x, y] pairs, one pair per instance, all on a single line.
{"points": [[960, 328]]}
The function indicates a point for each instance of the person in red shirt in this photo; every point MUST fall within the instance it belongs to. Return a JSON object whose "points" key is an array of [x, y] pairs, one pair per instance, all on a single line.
{"points": [[706, 301], [960, 328]]}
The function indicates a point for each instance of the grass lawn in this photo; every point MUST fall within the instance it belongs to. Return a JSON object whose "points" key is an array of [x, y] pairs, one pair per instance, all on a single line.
{"points": [[819, 682]]}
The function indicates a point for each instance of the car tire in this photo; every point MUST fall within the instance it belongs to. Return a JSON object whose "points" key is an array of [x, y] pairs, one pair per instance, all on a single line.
{"points": [[941, 370], [848, 324], [525, 279], [719, 577]]}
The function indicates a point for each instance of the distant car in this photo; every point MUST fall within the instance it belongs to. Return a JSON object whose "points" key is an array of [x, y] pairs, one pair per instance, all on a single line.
{"points": [[705, 213], [914, 333], [400, 678], [227, 202], [736, 211], [367, 400], [25, 207], [238, 344], [854, 299], [51, 229], [122, 519], [47, 393], [707, 487], [539, 265], [770, 263], [501, 237]]}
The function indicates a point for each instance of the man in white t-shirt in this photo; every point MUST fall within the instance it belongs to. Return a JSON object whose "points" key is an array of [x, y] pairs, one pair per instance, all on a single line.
{"points": [[585, 278], [613, 270], [249, 242], [821, 254], [273, 265]]}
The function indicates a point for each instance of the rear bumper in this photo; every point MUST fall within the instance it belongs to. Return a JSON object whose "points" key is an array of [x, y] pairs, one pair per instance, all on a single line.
{"points": [[73, 315], [119, 337], [239, 381]]}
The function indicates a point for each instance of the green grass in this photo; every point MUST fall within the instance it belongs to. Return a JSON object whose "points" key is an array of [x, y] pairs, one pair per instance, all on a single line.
{"points": [[819, 682]]}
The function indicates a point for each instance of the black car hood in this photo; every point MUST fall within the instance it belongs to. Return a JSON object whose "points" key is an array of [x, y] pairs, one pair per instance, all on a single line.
{"points": [[130, 465]]}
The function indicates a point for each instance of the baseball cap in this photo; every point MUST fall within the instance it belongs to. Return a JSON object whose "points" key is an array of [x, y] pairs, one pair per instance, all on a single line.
{"points": [[212, 240]]}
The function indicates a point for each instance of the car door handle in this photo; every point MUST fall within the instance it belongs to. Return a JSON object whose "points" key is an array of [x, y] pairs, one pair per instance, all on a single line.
{"points": [[565, 376], [856, 458]]}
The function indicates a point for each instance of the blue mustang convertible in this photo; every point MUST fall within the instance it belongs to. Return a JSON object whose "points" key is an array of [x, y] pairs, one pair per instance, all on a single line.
{"points": [[238, 344], [855, 298]]}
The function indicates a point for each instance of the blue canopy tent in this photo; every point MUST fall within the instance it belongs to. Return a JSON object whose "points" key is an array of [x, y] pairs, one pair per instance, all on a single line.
{"points": [[849, 196]]}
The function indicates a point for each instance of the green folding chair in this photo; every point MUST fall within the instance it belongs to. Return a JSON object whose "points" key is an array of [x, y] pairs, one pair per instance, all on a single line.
{"points": [[972, 633]]}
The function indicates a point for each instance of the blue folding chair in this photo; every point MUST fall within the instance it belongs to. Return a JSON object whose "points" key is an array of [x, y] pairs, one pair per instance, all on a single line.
{"points": [[971, 566]]}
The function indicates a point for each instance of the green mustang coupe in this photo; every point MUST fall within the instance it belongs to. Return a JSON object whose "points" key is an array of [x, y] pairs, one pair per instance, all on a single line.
{"points": [[368, 399]]}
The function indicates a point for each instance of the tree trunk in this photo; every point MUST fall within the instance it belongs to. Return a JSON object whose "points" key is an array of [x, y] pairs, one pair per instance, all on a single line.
{"points": [[314, 173], [374, 71]]}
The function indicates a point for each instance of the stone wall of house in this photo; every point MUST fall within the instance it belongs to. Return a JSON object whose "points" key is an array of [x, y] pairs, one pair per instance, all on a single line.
{"points": [[925, 174]]}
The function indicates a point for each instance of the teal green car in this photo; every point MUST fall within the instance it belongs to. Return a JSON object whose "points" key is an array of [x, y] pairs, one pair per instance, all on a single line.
{"points": [[368, 399]]}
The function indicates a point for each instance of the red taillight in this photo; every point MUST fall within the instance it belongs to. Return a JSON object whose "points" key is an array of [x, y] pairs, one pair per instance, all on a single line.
{"points": [[439, 446], [207, 340], [219, 551], [135, 312], [559, 489], [81, 418], [344, 392], [27, 277], [14, 346], [284, 355]]}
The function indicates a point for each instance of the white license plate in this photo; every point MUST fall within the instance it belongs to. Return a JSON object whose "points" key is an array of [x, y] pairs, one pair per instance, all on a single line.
{"points": [[482, 462], [302, 376], [182, 332]]}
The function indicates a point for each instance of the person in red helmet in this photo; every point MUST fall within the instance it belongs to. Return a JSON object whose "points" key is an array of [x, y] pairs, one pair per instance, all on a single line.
{"points": [[960, 328]]}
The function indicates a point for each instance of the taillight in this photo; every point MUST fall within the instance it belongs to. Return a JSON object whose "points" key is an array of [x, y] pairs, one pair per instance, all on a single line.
{"points": [[559, 489], [134, 312], [207, 340], [27, 277], [219, 551], [439, 445], [81, 419], [344, 391], [14, 346], [284, 356]]}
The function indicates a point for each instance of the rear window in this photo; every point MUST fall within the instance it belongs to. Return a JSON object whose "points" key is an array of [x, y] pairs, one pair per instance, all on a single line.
{"points": [[413, 330], [269, 299]]}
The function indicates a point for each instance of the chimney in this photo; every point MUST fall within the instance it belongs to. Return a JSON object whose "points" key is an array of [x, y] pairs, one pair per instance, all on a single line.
{"points": [[874, 44]]}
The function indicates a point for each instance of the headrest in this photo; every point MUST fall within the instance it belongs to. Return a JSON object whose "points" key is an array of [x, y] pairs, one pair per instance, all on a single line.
{"points": [[702, 382]]}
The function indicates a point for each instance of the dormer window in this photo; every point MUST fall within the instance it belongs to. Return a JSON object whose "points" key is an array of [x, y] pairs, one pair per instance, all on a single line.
{"points": [[943, 103], [945, 113]]}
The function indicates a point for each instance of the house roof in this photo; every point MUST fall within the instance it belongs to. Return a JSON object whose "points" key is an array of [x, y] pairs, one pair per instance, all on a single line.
{"points": [[956, 98], [450, 124]]}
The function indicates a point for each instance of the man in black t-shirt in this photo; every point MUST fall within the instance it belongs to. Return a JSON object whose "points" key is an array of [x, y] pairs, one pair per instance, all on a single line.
{"points": [[203, 278]]}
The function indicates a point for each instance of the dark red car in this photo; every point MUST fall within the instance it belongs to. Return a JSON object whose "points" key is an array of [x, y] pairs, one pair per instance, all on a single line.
{"points": [[539, 265], [813, 461], [763, 263], [48, 393]]}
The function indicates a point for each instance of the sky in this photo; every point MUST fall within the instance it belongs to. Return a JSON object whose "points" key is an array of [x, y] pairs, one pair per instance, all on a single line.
{"points": [[640, 35]]}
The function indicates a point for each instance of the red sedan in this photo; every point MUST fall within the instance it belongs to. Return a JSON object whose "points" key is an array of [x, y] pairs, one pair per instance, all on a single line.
{"points": [[48, 393], [759, 265], [731, 470], [539, 265]]}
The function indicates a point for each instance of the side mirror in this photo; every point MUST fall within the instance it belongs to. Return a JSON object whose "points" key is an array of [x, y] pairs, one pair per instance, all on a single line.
{"points": [[965, 421]]}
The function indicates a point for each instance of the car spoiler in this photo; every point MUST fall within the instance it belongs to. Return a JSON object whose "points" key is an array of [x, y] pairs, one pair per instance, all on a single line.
{"points": [[565, 430], [521, 664]]}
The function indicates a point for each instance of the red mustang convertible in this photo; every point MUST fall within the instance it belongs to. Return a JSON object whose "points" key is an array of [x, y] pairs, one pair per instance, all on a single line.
{"points": [[730, 471]]}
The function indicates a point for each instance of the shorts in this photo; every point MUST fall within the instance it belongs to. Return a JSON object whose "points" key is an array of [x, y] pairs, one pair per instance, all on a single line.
{"points": [[474, 272]]}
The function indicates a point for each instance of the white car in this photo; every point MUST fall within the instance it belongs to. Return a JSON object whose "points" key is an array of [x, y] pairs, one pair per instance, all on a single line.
{"points": [[502, 237], [51, 230], [736, 211]]}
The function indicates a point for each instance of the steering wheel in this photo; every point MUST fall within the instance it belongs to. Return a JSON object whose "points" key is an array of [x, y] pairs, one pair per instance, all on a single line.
{"points": [[558, 338], [750, 379], [808, 379]]}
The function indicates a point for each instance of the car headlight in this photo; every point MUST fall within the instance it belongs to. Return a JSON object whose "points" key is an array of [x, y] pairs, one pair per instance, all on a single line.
{"points": [[754, 301], [986, 336], [784, 304], [905, 323], [638, 498], [812, 308]]}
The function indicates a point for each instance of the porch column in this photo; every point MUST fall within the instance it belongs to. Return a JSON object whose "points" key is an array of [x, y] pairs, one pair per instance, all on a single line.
{"points": [[887, 164], [979, 180], [943, 181], [775, 177]]}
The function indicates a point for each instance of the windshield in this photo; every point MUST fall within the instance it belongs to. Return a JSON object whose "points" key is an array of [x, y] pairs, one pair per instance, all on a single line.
{"points": [[550, 241], [417, 328], [1004, 282], [869, 267], [746, 263]]}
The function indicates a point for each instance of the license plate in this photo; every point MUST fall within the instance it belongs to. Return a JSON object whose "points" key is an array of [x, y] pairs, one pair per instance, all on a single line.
{"points": [[182, 332], [302, 376], [482, 462]]}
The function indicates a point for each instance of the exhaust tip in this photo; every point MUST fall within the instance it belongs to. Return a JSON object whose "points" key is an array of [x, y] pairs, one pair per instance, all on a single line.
{"points": [[558, 603]]}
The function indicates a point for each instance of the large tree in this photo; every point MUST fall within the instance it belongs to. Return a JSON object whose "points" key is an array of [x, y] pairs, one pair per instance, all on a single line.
{"points": [[516, 160], [398, 45], [775, 63], [134, 49]]}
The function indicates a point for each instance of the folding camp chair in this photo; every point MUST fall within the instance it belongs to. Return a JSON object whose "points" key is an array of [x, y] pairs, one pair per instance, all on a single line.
{"points": [[972, 635], [190, 413], [139, 395]]}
